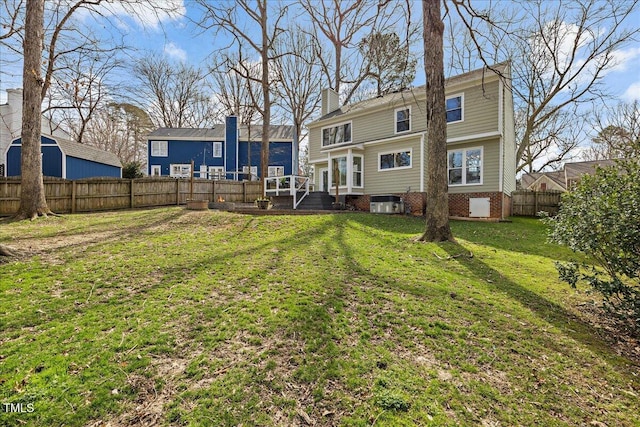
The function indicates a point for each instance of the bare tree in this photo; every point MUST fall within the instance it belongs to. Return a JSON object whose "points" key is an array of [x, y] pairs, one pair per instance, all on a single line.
{"points": [[299, 79], [80, 88], [437, 223], [618, 133], [344, 24], [178, 93], [54, 35], [32, 197], [559, 53], [390, 64], [232, 17], [120, 128]]}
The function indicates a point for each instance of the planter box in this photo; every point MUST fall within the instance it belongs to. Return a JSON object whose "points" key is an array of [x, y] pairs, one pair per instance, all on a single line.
{"points": [[263, 204], [198, 205]]}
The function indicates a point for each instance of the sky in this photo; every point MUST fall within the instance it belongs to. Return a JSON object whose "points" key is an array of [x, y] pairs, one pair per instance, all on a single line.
{"points": [[174, 36]]}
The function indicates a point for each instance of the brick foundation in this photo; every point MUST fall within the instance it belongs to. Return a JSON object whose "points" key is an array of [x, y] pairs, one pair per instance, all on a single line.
{"points": [[416, 203], [459, 204]]}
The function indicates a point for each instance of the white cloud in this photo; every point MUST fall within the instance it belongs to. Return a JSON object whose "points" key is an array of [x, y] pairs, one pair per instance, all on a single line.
{"points": [[175, 52], [632, 93], [624, 59]]}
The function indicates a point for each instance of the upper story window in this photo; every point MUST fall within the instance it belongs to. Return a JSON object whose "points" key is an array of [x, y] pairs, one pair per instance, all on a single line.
{"points": [[464, 167], [455, 108], [159, 148], [217, 149], [403, 119], [394, 160], [339, 134]]}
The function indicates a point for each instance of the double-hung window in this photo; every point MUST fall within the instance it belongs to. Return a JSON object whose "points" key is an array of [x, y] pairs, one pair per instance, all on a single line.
{"points": [[403, 119], [464, 167], [455, 108], [159, 148], [217, 149], [394, 160]]}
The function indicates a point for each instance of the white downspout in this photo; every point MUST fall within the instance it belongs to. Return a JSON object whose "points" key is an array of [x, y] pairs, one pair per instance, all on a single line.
{"points": [[422, 163]]}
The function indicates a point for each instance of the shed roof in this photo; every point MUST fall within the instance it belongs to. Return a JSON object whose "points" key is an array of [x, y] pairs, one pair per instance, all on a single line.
{"points": [[87, 152], [217, 133], [575, 170]]}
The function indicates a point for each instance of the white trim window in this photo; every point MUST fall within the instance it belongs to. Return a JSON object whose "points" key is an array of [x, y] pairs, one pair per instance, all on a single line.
{"points": [[180, 170], [216, 172], [338, 134], [275, 171], [403, 119], [464, 167], [159, 148], [394, 160], [156, 170], [339, 165], [357, 171], [455, 108], [217, 149]]}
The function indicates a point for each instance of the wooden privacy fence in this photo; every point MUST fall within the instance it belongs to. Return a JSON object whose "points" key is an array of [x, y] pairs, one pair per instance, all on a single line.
{"points": [[529, 203], [99, 194]]}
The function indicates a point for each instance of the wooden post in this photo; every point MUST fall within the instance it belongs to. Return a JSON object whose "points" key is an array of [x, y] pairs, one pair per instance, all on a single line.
{"points": [[73, 196], [132, 203], [244, 191], [191, 181], [177, 191]]}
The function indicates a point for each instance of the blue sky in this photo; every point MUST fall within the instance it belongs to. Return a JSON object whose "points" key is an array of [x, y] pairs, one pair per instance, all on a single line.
{"points": [[176, 38]]}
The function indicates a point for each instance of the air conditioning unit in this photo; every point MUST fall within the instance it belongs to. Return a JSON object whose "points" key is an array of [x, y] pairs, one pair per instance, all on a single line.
{"points": [[386, 204]]}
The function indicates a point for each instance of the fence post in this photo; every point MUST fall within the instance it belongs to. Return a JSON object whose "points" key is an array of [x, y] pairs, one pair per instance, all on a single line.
{"points": [[73, 196], [132, 203], [215, 199], [244, 191], [177, 191]]}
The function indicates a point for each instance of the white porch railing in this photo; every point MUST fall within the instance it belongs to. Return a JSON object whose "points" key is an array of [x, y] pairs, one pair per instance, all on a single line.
{"points": [[289, 185]]}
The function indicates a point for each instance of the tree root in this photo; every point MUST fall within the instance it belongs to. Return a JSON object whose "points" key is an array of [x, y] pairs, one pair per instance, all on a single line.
{"points": [[469, 255], [8, 251]]}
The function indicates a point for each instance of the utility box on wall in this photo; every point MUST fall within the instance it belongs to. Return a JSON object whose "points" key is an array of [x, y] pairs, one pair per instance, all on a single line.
{"points": [[387, 204], [479, 207]]}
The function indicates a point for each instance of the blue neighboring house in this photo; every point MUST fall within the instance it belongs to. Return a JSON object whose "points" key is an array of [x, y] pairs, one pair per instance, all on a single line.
{"points": [[225, 151], [66, 159]]}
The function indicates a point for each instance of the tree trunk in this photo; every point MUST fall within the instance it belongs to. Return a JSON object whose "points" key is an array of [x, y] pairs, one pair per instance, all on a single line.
{"points": [[32, 197], [437, 213], [266, 117]]}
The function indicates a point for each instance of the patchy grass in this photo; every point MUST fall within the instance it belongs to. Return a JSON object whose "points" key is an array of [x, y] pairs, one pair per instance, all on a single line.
{"points": [[175, 317]]}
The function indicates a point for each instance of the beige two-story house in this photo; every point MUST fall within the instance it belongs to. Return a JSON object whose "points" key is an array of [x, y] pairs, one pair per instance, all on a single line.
{"points": [[378, 147]]}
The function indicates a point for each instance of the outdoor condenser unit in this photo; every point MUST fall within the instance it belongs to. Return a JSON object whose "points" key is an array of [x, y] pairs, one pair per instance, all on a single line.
{"points": [[386, 204]]}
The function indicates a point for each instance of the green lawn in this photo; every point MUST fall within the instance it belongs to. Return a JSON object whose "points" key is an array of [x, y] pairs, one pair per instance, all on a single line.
{"points": [[180, 317]]}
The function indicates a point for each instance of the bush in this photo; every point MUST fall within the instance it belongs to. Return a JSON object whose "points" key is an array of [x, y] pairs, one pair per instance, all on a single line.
{"points": [[601, 218], [132, 170]]}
